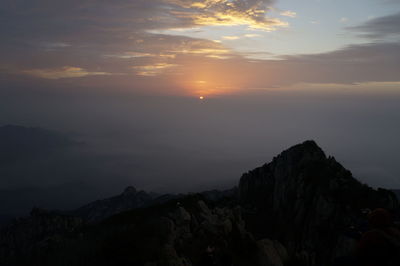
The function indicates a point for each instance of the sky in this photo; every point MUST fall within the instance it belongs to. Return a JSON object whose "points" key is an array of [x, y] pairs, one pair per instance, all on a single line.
{"points": [[183, 95]]}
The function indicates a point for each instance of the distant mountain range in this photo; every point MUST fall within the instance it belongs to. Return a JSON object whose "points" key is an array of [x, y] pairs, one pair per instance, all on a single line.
{"points": [[19, 143], [128, 200], [133, 199], [295, 210]]}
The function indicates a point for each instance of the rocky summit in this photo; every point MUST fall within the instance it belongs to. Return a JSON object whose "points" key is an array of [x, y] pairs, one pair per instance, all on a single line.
{"points": [[295, 210], [306, 200]]}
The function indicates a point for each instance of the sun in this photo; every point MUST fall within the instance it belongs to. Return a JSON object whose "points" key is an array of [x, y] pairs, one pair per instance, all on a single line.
{"points": [[201, 97]]}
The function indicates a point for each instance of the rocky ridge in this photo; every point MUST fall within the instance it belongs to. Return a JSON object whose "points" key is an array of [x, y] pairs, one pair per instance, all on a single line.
{"points": [[101, 209], [178, 233], [294, 210], [131, 198]]}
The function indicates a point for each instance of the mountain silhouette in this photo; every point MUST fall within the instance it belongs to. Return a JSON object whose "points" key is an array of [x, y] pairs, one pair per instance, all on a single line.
{"points": [[295, 210]]}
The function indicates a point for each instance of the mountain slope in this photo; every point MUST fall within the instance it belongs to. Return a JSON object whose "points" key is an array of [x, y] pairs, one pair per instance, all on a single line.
{"points": [[24, 143]]}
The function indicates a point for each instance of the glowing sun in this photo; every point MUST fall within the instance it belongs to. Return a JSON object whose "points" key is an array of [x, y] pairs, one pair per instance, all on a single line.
{"points": [[201, 97]]}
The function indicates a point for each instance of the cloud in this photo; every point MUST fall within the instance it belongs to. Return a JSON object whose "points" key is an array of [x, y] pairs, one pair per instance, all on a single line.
{"points": [[153, 70], [42, 37], [375, 62], [198, 47], [252, 35], [227, 72], [234, 37], [251, 13], [128, 55], [72, 41], [388, 26], [43, 18], [289, 13], [64, 72], [53, 46], [230, 38]]}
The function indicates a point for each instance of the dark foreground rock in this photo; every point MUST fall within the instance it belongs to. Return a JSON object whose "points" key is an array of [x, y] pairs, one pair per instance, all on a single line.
{"points": [[307, 201], [181, 232], [397, 193], [37, 234]]}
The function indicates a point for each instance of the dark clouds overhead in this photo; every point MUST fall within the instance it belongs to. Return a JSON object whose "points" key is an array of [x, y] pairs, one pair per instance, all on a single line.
{"points": [[99, 43], [56, 39], [377, 28], [375, 62], [91, 21]]}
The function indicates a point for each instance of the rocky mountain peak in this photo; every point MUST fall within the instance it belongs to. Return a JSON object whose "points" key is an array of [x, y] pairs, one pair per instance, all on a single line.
{"points": [[307, 153], [314, 192], [308, 149], [129, 191], [98, 210]]}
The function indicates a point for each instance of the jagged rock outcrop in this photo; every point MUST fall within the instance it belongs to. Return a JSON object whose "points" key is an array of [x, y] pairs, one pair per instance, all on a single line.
{"points": [[129, 199], [188, 232], [181, 232], [38, 233], [306, 200]]}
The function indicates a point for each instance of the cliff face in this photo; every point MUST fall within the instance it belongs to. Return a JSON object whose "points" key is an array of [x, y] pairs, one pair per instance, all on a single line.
{"points": [[306, 200]]}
